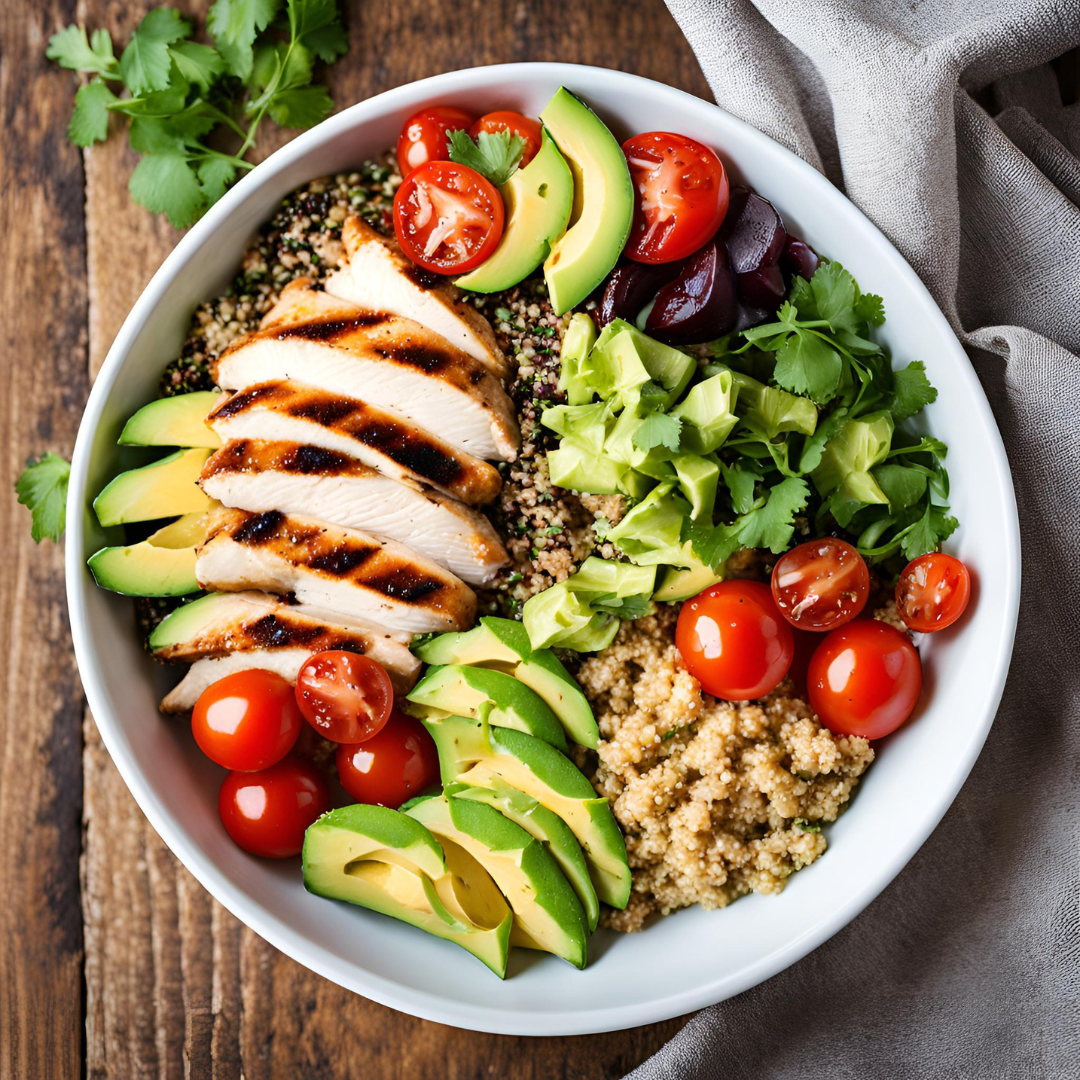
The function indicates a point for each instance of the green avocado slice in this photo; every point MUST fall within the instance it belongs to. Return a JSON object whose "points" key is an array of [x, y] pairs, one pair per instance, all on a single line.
{"points": [[174, 421], [388, 862], [162, 489]]}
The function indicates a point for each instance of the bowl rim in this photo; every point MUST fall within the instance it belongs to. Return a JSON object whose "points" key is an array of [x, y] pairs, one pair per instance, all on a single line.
{"points": [[249, 910]]}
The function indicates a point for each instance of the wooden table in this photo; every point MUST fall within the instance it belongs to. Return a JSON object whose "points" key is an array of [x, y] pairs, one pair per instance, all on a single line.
{"points": [[113, 960]]}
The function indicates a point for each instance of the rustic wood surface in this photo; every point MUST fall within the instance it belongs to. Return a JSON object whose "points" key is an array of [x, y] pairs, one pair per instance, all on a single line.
{"points": [[114, 962]]}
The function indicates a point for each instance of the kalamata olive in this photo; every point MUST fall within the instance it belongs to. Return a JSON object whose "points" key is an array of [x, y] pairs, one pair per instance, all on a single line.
{"points": [[699, 304], [753, 231], [798, 257], [630, 287], [745, 317], [761, 288]]}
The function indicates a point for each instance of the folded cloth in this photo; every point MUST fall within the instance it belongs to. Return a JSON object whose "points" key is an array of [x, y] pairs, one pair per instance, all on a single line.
{"points": [[943, 122]]}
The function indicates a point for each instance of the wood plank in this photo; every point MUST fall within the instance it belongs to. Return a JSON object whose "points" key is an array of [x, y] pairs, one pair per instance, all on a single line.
{"points": [[43, 297], [173, 982]]}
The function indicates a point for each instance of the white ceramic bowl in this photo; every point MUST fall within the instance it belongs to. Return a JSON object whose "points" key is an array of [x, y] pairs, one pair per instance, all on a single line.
{"points": [[690, 959]]}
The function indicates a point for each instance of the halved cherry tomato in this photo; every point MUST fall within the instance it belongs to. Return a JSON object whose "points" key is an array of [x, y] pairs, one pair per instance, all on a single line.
{"points": [[246, 721], [529, 129], [864, 679], [267, 812], [344, 696], [423, 138], [447, 217], [933, 592], [821, 584], [393, 766], [682, 196], [734, 641]]}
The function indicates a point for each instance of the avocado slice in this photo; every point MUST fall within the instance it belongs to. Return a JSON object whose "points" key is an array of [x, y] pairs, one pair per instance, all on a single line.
{"points": [[680, 583], [548, 828], [460, 690], [503, 644], [603, 202], [538, 200], [475, 754], [162, 489], [387, 861], [547, 913], [174, 421]]}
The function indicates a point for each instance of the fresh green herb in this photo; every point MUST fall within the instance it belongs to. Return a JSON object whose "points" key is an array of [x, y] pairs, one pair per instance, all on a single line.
{"points": [[43, 488], [185, 100], [804, 826], [658, 429], [495, 155], [552, 530], [669, 735]]}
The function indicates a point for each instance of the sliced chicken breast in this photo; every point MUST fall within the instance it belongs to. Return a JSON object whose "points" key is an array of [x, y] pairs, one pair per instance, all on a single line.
{"points": [[379, 582], [386, 361], [292, 412], [332, 487], [378, 277], [300, 301], [203, 673]]}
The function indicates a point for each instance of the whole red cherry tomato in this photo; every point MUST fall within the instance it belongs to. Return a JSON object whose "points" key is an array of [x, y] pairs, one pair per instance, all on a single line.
{"points": [[267, 812], [933, 592], [246, 721], [821, 584], [423, 138], [344, 696], [734, 641], [864, 679], [392, 766], [529, 129], [682, 196], [447, 217]]}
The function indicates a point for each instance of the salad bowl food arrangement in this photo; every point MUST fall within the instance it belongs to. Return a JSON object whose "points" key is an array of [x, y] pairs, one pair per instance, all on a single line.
{"points": [[551, 516]]}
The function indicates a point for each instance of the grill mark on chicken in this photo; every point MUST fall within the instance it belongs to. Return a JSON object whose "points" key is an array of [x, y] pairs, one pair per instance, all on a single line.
{"points": [[271, 632], [341, 562], [329, 330], [421, 278], [428, 359], [258, 529], [307, 460]]}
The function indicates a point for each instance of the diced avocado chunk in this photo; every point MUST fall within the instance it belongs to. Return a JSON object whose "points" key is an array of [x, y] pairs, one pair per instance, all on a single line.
{"points": [[474, 754], [698, 479], [461, 690], [174, 421], [849, 456], [624, 360], [649, 534], [537, 200], [547, 913], [707, 414], [388, 862], [773, 410], [679, 583], [603, 207], [162, 489], [574, 371]]}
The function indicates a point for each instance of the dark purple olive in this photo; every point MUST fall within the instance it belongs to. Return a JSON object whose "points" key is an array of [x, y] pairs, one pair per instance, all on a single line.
{"points": [[630, 287], [699, 304], [752, 231], [798, 257], [761, 288], [745, 317]]}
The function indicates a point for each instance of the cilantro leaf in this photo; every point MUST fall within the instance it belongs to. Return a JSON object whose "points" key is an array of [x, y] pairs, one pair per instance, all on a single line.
{"points": [[740, 479], [315, 25], [815, 444], [234, 25], [835, 293], [71, 49], [912, 391], [903, 486], [773, 524], [658, 429], [870, 308], [145, 63], [167, 184], [90, 118], [928, 533], [42, 488], [215, 176], [197, 64], [302, 107], [807, 364], [494, 155]]}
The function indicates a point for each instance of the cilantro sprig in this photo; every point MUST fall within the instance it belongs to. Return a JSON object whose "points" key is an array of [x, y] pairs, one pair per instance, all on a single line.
{"points": [[495, 155], [43, 488], [185, 100]]}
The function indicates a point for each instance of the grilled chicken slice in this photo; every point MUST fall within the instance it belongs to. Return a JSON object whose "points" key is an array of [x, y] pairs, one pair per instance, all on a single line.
{"points": [[378, 277], [389, 362], [292, 412], [300, 301], [379, 582], [335, 488], [239, 622]]}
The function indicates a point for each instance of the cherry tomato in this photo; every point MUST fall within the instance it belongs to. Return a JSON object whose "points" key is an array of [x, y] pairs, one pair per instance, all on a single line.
{"points": [[933, 592], [447, 217], [423, 138], [391, 767], [246, 721], [267, 812], [682, 196], [821, 585], [344, 696], [734, 641], [864, 679], [529, 129]]}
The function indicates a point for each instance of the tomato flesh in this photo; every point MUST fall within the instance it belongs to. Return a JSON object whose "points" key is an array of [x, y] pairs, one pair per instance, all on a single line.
{"points": [[247, 721], [517, 124], [447, 217], [423, 138], [682, 196], [864, 679], [391, 767], [344, 696], [734, 641], [266, 813], [821, 584], [933, 592]]}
